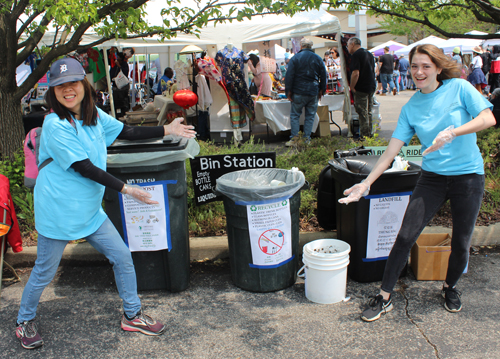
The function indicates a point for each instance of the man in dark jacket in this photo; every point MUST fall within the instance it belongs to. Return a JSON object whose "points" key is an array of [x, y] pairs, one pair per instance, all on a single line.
{"points": [[362, 84], [305, 84]]}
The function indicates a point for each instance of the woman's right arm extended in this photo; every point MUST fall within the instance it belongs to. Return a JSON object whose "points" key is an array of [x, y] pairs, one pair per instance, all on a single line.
{"points": [[359, 190]]}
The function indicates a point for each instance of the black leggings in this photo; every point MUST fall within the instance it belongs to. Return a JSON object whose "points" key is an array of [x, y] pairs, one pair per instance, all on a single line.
{"points": [[465, 193]]}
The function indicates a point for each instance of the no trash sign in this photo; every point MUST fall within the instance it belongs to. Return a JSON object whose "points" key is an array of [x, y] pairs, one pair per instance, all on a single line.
{"points": [[270, 231]]}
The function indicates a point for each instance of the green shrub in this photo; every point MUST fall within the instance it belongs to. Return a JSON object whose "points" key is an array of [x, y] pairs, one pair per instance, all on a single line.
{"points": [[210, 219], [21, 195]]}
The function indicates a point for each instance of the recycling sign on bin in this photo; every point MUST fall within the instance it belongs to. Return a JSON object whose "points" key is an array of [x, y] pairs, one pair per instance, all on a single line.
{"points": [[270, 230]]}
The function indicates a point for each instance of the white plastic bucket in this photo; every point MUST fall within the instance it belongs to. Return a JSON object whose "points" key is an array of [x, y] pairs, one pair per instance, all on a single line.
{"points": [[325, 273]]}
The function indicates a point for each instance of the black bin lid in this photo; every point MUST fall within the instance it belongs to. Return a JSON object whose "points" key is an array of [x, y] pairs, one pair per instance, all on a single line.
{"points": [[159, 144]]}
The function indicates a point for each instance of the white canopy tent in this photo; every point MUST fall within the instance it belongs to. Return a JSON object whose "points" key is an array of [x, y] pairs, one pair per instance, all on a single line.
{"points": [[256, 29], [392, 45], [434, 40], [465, 45], [491, 42]]}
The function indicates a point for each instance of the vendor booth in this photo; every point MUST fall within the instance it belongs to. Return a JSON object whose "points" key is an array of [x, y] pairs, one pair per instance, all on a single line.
{"points": [[220, 43]]}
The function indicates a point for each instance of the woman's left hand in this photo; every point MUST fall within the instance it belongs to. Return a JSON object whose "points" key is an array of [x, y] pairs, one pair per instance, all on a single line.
{"points": [[176, 128], [443, 137]]}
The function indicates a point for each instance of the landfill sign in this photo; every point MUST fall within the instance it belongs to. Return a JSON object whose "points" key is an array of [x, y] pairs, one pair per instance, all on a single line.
{"points": [[385, 219], [270, 229]]}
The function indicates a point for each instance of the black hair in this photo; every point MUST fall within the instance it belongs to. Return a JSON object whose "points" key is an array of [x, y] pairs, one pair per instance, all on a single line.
{"points": [[168, 72], [88, 107]]}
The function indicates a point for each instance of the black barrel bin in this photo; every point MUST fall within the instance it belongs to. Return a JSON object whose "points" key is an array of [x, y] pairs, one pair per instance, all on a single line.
{"points": [[163, 269], [353, 219], [236, 199]]}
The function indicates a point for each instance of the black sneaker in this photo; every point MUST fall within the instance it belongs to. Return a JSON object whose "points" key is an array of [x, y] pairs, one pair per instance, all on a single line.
{"points": [[452, 301], [376, 307], [27, 333]]}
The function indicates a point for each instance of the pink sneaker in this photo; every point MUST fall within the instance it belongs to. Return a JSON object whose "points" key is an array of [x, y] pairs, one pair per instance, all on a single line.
{"points": [[143, 323], [27, 333]]}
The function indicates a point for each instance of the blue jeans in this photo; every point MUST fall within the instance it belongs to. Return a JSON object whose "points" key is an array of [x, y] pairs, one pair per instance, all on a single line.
{"points": [[386, 79], [310, 103], [403, 81], [107, 241], [395, 76], [465, 193]]}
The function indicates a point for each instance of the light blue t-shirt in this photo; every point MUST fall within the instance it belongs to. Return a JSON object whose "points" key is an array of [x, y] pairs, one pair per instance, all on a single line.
{"points": [[456, 102], [68, 205]]}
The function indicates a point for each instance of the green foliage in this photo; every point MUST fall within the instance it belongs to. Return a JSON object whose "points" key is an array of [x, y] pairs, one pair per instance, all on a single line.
{"points": [[21, 195], [209, 219], [449, 18], [489, 143]]}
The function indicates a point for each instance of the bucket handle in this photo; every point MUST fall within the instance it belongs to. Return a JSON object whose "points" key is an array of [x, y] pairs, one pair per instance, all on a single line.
{"points": [[300, 270]]}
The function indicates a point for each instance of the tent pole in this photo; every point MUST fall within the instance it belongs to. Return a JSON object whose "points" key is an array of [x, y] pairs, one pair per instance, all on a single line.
{"points": [[108, 80]]}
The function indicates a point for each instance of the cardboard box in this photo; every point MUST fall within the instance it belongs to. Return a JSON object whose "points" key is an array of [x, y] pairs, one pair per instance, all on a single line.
{"points": [[323, 129], [428, 260], [323, 114]]}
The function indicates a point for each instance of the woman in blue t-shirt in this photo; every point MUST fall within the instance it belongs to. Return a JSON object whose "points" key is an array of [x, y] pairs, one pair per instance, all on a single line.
{"points": [[445, 114], [69, 192]]}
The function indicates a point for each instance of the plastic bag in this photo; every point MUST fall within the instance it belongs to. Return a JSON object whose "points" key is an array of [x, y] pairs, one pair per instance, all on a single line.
{"points": [[121, 80], [140, 159], [260, 185], [399, 164]]}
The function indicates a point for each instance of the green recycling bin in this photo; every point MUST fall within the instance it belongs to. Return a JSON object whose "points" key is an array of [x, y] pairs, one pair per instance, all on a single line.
{"points": [[157, 235], [262, 213]]}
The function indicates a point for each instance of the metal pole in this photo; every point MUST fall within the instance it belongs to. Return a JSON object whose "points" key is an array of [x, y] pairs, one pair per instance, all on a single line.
{"points": [[108, 80]]}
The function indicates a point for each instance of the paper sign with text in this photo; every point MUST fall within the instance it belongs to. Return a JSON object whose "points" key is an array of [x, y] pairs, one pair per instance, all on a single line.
{"points": [[385, 218], [147, 227], [270, 229], [206, 169]]}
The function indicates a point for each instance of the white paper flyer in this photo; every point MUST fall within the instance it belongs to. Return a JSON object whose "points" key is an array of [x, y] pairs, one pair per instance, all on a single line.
{"points": [[270, 232], [385, 218], [147, 227]]}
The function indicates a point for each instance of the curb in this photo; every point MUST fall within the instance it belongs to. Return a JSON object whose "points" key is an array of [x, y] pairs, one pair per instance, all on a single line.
{"points": [[203, 248]]}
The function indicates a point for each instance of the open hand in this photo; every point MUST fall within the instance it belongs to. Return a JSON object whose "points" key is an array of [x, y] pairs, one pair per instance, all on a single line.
{"points": [[355, 193], [442, 138], [138, 194], [176, 128]]}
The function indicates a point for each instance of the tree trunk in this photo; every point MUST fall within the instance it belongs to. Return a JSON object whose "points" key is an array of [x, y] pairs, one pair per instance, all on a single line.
{"points": [[11, 125]]}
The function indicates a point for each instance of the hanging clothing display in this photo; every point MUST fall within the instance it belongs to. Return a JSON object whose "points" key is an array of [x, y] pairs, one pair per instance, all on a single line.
{"points": [[203, 92], [261, 79], [207, 67], [181, 74], [231, 62], [96, 63]]}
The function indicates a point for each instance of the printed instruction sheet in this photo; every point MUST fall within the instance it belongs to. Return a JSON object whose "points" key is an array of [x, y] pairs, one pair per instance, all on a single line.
{"points": [[385, 218], [270, 232], [147, 227]]}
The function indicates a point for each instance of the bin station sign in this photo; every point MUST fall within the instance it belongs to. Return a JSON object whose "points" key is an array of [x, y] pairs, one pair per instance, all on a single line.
{"points": [[206, 169], [409, 153]]}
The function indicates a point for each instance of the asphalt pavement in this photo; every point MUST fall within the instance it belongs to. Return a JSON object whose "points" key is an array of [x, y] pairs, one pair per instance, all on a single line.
{"points": [[80, 311]]}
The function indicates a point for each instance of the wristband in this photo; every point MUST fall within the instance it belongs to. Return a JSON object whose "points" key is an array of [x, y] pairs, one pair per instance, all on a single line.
{"points": [[124, 189]]}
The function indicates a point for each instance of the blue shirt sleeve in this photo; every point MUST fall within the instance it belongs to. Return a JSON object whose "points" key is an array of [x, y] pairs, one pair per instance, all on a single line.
{"points": [[60, 142], [404, 131], [112, 127], [474, 101]]}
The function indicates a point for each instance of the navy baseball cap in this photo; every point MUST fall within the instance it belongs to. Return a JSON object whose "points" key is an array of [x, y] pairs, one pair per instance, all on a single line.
{"points": [[65, 70]]}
